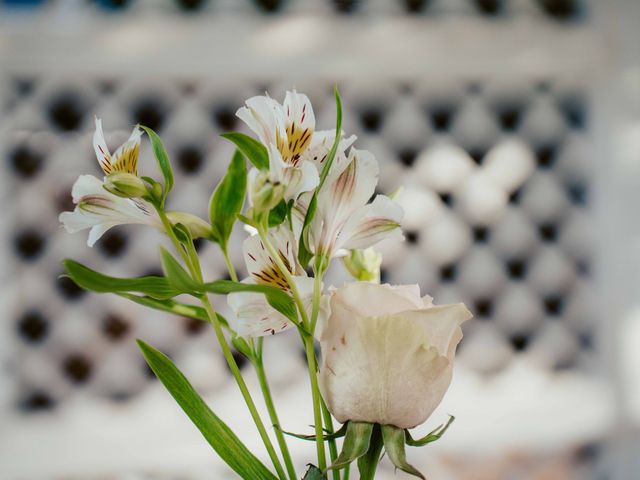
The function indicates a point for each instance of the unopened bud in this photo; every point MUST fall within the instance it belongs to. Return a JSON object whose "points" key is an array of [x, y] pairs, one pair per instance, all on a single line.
{"points": [[125, 185], [265, 193], [364, 265], [197, 227]]}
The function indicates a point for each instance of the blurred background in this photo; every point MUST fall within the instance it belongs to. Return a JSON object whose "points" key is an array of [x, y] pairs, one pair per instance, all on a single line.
{"points": [[514, 127]]}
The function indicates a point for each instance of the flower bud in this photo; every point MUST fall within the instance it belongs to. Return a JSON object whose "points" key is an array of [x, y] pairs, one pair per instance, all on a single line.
{"points": [[364, 265], [125, 185], [265, 193], [197, 227]]}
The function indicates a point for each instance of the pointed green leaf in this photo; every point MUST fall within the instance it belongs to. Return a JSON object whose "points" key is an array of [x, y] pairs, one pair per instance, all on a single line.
{"points": [[255, 151], [356, 443], [368, 464], [314, 473], [278, 214], [394, 446], [227, 199], [431, 436], [277, 298], [178, 277], [226, 444], [171, 306], [163, 160], [153, 286]]}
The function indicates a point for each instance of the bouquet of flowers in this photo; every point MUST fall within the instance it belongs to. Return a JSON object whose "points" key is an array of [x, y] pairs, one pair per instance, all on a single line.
{"points": [[386, 352]]}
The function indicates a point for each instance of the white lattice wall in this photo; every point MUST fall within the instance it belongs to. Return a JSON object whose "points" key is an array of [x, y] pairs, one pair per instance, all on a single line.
{"points": [[494, 115]]}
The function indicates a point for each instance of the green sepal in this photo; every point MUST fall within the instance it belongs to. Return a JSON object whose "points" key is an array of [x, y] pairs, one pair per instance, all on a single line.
{"points": [[248, 221], [368, 463], [355, 445], [153, 286], [163, 161], [227, 199], [394, 439], [312, 438], [217, 433], [255, 151], [277, 298], [242, 346], [178, 276], [429, 437], [304, 254], [313, 473]]}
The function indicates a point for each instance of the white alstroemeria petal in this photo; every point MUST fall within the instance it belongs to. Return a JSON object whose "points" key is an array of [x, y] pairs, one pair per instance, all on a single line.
{"points": [[261, 267], [263, 115], [309, 178], [97, 207], [101, 149], [321, 144], [371, 224], [254, 316], [125, 158], [298, 111]]}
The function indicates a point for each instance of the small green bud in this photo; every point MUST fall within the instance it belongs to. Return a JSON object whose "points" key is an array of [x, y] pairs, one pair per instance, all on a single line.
{"points": [[265, 193], [364, 265], [197, 227], [125, 185]]}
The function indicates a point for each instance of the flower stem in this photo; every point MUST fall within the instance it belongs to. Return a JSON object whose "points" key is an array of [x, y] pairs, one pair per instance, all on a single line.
{"points": [[273, 415], [308, 345], [190, 258], [226, 351], [230, 267], [315, 394]]}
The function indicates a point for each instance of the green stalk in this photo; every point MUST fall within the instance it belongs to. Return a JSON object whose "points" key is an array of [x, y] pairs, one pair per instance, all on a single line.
{"points": [[347, 469], [273, 415], [230, 267], [192, 262]]}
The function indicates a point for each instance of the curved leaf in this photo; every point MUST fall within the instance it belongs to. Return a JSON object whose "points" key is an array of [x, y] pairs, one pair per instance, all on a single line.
{"points": [[394, 446], [255, 151], [163, 160], [221, 438], [153, 286], [227, 199]]}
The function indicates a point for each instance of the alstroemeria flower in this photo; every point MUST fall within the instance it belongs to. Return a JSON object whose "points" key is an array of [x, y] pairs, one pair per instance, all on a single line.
{"points": [[344, 218], [98, 209], [255, 317], [387, 354], [288, 132]]}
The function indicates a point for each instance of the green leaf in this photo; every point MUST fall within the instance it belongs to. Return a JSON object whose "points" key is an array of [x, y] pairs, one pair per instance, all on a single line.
{"points": [[304, 255], [278, 214], [277, 298], [227, 199], [314, 473], [163, 160], [178, 277], [226, 444], [368, 463], [153, 286], [171, 306], [242, 346], [431, 436], [394, 439], [355, 445], [255, 151]]}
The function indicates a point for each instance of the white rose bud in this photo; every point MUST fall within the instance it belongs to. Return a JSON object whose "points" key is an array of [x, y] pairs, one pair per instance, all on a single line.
{"points": [[125, 185], [387, 353]]}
